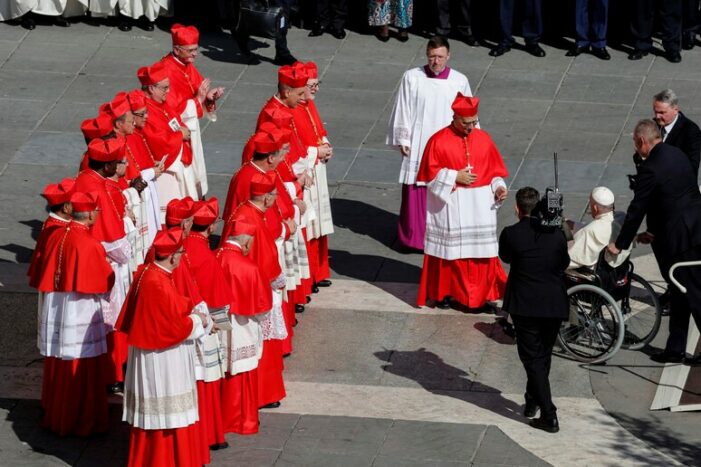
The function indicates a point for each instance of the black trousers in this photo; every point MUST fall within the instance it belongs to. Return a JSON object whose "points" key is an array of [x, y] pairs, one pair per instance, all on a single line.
{"points": [[682, 306], [691, 17], [332, 13], [280, 41], [643, 20], [446, 21], [535, 338], [531, 23]]}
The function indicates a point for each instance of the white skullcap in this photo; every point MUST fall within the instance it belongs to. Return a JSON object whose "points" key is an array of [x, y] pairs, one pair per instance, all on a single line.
{"points": [[602, 196]]}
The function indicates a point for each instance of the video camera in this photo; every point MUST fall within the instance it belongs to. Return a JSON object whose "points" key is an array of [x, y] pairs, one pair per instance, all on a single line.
{"points": [[551, 205]]}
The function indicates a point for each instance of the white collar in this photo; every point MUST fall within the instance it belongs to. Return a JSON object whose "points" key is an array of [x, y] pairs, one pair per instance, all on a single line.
{"points": [[669, 127], [235, 243]]}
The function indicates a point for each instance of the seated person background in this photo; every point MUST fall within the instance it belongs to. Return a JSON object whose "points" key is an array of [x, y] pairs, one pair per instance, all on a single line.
{"points": [[590, 239]]}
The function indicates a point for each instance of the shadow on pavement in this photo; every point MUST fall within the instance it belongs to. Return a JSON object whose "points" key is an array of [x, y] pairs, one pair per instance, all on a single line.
{"points": [[437, 377], [22, 253], [495, 332], [365, 219]]}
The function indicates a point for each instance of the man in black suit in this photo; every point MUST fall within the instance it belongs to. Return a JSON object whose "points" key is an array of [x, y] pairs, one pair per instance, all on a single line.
{"points": [[676, 128], [531, 25], [536, 299], [642, 23], [667, 192]]}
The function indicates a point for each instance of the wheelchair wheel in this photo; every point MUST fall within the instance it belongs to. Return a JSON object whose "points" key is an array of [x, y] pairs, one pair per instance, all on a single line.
{"points": [[594, 330], [641, 312]]}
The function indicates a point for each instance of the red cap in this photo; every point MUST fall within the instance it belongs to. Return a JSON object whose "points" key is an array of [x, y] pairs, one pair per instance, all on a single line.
{"points": [[280, 117], [206, 212], [241, 227], [261, 184], [465, 106], [84, 202], [294, 77], [168, 241], [312, 70], [96, 127], [265, 142], [137, 99], [119, 105], [178, 210], [59, 193], [106, 150], [150, 75], [184, 35]]}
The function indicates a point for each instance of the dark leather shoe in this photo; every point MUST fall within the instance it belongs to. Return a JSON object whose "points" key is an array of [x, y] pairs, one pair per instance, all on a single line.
{"points": [[499, 50], [28, 23], [116, 388], [337, 33], [148, 26], [692, 361], [667, 357], [444, 304], [600, 53], [637, 54], [470, 40], [315, 288], [309, 299], [124, 26], [551, 425], [531, 408], [299, 308], [324, 283], [403, 36], [282, 60], [576, 51], [688, 41], [535, 50], [62, 22], [272, 405], [673, 57], [316, 31], [218, 446]]}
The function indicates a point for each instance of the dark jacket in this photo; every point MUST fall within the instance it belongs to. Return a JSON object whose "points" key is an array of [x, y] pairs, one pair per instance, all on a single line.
{"points": [[538, 258], [668, 193], [686, 136]]}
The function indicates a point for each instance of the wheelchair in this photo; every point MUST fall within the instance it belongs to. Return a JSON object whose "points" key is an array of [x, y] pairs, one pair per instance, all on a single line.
{"points": [[609, 308]]}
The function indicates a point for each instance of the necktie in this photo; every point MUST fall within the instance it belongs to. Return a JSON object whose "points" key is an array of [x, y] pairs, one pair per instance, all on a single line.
{"points": [[663, 132]]}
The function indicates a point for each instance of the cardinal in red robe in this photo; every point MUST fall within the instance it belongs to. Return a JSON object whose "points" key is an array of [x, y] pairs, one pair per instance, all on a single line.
{"points": [[464, 174], [75, 279], [251, 296]]}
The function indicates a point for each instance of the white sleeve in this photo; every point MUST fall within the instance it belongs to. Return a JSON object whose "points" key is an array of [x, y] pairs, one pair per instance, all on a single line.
{"points": [[400, 122], [198, 331], [443, 185], [119, 250], [190, 111], [497, 182], [148, 174]]}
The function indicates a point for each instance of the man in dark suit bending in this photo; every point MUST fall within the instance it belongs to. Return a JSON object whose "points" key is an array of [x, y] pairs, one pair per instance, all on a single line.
{"points": [[676, 128], [667, 192], [536, 299]]}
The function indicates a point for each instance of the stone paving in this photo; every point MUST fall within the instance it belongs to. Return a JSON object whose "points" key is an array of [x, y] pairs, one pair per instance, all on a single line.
{"points": [[373, 380]]}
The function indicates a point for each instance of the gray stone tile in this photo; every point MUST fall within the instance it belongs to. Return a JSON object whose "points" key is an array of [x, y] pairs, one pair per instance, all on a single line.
{"points": [[11, 32], [578, 177], [98, 89], [347, 132], [6, 48], [589, 117], [356, 105], [21, 114], [356, 47], [49, 148], [553, 61], [249, 97], [604, 89], [376, 165], [337, 167], [368, 430], [432, 441], [532, 84], [54, 34], [587, 64], [67, 116], [572, 146], [232, 125], [50, 57], [614, 177], [247, 457], [12, 140], [223, 158], [662, 68], [362, 75], [122, 61], [392, 461], [23, 84]]}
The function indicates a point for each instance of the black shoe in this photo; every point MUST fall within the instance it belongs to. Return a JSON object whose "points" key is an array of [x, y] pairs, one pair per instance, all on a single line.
{"points": [[551, 425], [116, 388], [282, 60], [673, 56], [692, 361], [309, 299], [272, 405], [667, 357], [576, 51], [299, 308], [664, 298], [295, 323], [218, 446], [535, 50], [688, 41], [316, 31], [242, 43], [600, 53], [499, 50], [403, 36], [28, 23], [531, 408], [444, 304], [337, 33], [286, 355], [324, 283], [637, 54], [62, 22], [148, 26], [470, 40], [124, 26], [315, 288]]}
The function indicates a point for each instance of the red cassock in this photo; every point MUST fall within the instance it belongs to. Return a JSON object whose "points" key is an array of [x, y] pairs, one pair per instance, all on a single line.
{"points": [[73, 391], [138, 154], [251, 295], [470, 281], [185, 80], [297, 148], [109, 225], [155, 316], [51, 224], [214, 287], [163, 135], [114, 189]]}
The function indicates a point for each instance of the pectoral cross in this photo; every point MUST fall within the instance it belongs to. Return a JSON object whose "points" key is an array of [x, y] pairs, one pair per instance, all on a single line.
{"points": [[469, 166]]}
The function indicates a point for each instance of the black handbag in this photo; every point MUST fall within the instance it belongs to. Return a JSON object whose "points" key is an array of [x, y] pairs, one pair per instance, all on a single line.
{"points": [[257, 18]]}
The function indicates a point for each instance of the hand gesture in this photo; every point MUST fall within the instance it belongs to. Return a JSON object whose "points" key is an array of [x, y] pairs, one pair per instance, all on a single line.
{"points": [[186, 133], [405, 150], [301, 205], [203, 90], [612, 249], [215, 94], [325, 151], [500, 194], [291, 225], [645, 238], [465, 178], [159, 168]]}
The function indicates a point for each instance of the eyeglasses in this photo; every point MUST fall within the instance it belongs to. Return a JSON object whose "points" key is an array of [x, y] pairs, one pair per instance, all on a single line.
{"points": [[315, 85], [471, 123], [141, 114], [191, 50]]}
